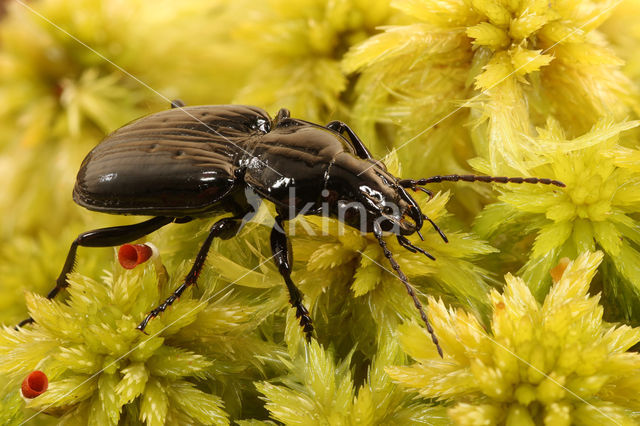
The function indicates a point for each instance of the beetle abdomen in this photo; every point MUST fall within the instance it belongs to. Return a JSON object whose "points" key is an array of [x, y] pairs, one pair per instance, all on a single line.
{"points": [[170, 163]]}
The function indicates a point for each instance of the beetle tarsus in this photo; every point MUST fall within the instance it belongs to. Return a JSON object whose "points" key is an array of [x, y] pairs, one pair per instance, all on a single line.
{"points": [[143, 324], [162, 307], [305, 320]]}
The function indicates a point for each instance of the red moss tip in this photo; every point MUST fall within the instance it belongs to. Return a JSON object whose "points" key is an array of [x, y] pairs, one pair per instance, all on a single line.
{"points": [[34, 384], [131, 255], [557, 272]]}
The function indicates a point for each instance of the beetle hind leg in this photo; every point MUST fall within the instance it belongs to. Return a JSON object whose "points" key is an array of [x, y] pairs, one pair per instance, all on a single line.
{"points": [[105, 237], [282, 256], [225, 228]]}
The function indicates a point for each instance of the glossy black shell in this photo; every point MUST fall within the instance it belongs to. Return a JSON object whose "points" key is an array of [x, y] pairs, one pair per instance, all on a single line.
{"points": [[185, 161], [169, 163]]}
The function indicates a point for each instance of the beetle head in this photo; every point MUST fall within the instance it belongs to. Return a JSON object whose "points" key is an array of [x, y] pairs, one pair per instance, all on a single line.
{"points": [[388, 203], [372, 197]]}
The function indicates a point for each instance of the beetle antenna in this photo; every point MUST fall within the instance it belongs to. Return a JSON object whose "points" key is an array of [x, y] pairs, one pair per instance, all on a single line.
{"points": [[444, 237], [477, 178], [410, 290]]}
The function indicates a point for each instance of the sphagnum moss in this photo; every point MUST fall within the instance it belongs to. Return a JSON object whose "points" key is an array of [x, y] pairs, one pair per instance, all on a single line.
{"points": [[319, 390], [297, 48], [526, 60], [555, 363], [596, 210], [77, 70], [62, 91], [102, 370], [513, 63]]}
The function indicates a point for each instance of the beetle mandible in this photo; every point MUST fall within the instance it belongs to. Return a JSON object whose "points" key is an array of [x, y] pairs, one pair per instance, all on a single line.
{"points": [[191, 162]]}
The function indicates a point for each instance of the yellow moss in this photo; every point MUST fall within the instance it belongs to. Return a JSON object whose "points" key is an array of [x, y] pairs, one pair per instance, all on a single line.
{"points": [[536, 361]]}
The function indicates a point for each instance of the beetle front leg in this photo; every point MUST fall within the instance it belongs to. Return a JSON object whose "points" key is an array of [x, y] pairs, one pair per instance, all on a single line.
{"points": [[358, 145], [404, 242], [283, 258], [225, 228], [413, 185]]}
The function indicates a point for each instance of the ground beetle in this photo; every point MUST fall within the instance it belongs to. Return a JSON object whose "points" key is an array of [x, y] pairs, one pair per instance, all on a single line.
{"points": [[190, 162]]}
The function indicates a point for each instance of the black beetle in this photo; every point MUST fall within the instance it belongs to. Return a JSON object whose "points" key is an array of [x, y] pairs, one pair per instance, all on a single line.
{"points": [[199, 161]]}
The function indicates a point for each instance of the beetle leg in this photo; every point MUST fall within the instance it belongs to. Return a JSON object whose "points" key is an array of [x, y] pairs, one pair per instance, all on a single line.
{"points": [[377, 231], [412, 184], [105, 237], [282, 255], [438, 230], [425, 190], [177, 103], [225, 228], [404, 242], [358, 145]]}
